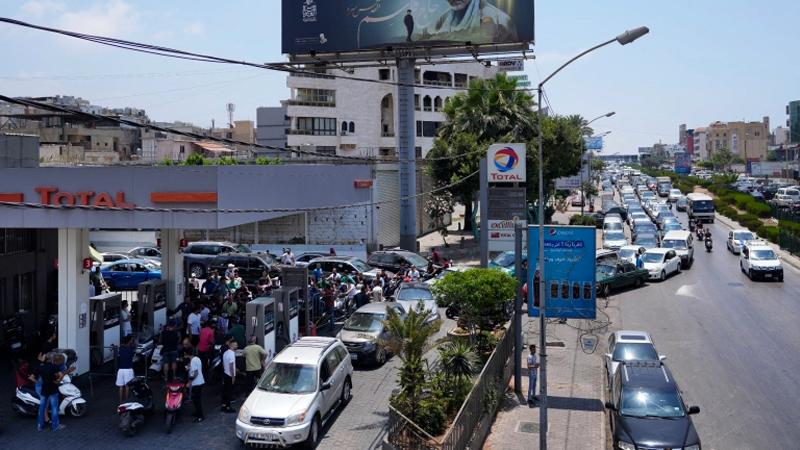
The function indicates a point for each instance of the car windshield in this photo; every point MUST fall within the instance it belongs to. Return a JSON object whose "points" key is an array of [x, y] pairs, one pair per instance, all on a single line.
{"points": [[634, 351], [615, 236], [414, 294], [360, 265], [361, 321], [604, 271], [645, 227], [670, 226], [612, 226], [504, 259], [241, 248], [289, 378], [627, 253], [763, 255], [674, 243], [742, 236], [416, 260], [703, 205], [638, 402], [675, 191], [653, 257]]}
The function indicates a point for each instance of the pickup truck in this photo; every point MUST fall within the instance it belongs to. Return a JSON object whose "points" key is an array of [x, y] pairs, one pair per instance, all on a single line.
{"points": [[197, 256]]}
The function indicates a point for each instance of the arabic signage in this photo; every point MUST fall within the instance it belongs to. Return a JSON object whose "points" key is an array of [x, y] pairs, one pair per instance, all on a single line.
{"points": [[594, 142], [331, 26], [569, 271], [510, 65], [506, 163]]}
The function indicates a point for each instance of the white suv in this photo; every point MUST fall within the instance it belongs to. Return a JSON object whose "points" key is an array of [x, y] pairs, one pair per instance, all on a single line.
{"points": [[758, 260], [297, 394]]}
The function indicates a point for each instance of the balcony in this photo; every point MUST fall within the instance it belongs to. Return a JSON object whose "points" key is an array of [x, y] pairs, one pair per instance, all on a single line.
{"points": [[312, 75], [317, 103], [387, 134], [304, 132], [437, 83]]}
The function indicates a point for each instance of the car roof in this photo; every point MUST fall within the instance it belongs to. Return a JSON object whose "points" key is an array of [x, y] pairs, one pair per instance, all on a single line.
{"points": [[633, 336], [680, 235], [377, 308], [212, 243], [306, 350], [658, 250], [647, 374], [130, 260], [398, 251], [630, 247], [414, 284]]}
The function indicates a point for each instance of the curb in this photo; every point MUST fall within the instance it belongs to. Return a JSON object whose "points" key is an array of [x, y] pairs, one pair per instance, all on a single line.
{"points": [[786, 257]]}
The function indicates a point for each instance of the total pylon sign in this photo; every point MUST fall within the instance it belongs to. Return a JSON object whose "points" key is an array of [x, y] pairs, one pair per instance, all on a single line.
{"points": [[506, 163]]}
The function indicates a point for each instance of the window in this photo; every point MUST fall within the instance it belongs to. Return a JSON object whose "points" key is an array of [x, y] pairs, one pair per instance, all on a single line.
{"points": [[384, 74], [461, 80], [323, 97], [326, 150], [344, 128], [183, 149], [419, 128], [416, 102], [426, 103], [352, 127], [429, 128], [437, 103], [418, 152], [386, 151], [317, 126]]}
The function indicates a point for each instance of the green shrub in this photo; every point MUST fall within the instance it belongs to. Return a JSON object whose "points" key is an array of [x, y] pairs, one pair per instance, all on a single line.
{"points": [[727, 211], [750, 221], [743, 201], [578, 219], [431, 416], [769, 233], [759, 209]]}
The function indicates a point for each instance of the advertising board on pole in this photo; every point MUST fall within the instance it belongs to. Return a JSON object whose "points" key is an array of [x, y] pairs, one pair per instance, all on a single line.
{"points": [[317, 27], [683, 163], [506, 163], [569, 271], [510, 65]]}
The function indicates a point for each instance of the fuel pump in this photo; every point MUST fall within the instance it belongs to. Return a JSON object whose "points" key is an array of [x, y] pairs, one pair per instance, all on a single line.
{"points": [[261, 323], [105, 327], [287, 324]]}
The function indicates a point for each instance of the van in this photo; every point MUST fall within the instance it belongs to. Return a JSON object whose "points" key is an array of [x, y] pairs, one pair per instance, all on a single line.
{"points": [[682, 242], [788, 196], [701, 206]]}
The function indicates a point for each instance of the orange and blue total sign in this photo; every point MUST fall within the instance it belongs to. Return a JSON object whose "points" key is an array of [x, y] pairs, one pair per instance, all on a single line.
{"points": [[506, 163]]}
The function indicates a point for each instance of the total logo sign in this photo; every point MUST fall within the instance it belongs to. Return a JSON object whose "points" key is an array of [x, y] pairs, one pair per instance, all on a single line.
{"points": [[506, 163]]}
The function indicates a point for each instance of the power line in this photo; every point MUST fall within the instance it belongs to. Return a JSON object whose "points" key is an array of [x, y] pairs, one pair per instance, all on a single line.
{"points": [[235, 211], [191, 56], [151, 126], [115, 76]]}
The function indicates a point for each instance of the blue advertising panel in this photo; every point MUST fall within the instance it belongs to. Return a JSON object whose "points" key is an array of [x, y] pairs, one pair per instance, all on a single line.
{"points": [[594, 142], [569, 271], [683, 163], [329, 26]]}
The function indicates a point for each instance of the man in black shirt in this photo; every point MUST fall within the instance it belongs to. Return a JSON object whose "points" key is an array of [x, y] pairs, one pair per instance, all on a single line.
{"points": [[125, 367], [361, 298], [51, 378], [169, 349]]}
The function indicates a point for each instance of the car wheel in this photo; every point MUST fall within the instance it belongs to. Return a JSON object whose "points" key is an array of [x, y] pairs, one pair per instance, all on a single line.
{"points": [[663, 275], [347, 393], [313, 434], [639, 282], [197, 270], [780, 279], [749, 274], [606, 291], [380, 356]]}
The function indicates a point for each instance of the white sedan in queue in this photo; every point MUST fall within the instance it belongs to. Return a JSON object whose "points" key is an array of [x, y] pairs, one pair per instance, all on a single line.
{"points": [[661, 263]]}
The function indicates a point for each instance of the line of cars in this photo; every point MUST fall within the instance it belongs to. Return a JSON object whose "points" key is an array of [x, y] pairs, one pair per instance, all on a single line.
{"points": [[757, 259]]}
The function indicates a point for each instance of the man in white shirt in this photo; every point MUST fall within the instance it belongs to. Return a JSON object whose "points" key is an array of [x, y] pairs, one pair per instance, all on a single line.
{"points": [[229, 367], [125, 319], [193, 322], [196, 381], [533, 366], [377, 292], [414, 273]]}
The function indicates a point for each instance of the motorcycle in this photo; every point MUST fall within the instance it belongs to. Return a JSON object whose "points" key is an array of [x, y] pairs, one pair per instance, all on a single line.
{"points": [[709, 244], [26, 401], [452, 311], [700, 233], [132, 414], [173, 403], [154, 370]]}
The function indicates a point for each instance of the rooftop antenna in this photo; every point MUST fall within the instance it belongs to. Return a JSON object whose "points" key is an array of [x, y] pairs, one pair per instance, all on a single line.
{"points": [[231, 108]]}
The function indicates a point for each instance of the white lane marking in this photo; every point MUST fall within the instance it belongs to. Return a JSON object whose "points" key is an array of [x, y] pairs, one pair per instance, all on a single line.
{"points": [[687, 290]]}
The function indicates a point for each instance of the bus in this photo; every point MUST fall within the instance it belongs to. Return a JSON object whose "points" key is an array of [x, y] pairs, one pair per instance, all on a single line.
{"points": [[701, 206]]}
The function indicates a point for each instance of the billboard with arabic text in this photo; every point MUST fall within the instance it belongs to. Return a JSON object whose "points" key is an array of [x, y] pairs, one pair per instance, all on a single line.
{"points": [[333, 26]]}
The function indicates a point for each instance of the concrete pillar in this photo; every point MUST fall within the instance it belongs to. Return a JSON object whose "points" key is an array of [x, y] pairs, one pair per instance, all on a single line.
{"points": [[172, 266], [73, 294]]}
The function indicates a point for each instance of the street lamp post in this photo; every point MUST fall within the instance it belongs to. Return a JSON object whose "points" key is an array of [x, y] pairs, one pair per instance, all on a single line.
{"points": [[624, 39], [589, 162]]}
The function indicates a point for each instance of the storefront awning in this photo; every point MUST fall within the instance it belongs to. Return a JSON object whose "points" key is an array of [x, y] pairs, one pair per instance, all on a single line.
{"points": [[214, 147]]}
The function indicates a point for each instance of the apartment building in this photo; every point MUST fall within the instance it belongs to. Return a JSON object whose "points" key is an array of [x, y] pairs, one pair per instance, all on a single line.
{"points": [[748, 140]]}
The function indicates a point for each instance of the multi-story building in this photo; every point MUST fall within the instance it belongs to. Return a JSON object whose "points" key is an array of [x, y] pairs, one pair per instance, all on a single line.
{"points": [[339, 116], [747, 140], [700, 150], [271, 125], [793, 122], [780, 136], [682, 134]]}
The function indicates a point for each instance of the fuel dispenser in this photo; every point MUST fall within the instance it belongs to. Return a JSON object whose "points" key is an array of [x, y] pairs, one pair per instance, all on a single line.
{"points": [[105, 327], [150, 308], [287, 312], [261, 323]]}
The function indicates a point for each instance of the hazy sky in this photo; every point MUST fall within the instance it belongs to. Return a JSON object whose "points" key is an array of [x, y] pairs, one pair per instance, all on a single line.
{"points": [[702, 61]]}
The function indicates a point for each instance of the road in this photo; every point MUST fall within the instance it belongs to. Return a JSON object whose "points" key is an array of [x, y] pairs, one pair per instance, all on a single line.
{"points": [[732, 344]]}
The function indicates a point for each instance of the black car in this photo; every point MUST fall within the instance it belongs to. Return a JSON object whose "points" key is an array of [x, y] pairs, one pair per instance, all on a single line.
{"points": [[615, 208], [249, 265], [393, 260], [198, 255], [647, 410], [343, 265]]}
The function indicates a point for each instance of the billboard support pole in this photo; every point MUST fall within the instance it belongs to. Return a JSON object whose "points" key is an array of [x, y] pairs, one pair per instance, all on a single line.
{"points": [[406, 129], [542, 280], [484, 206], [518, 229]]}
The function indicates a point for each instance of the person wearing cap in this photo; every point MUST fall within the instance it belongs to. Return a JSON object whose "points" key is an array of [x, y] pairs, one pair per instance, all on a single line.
{"points": [[229, 271], [414, 273], [169, 349]]}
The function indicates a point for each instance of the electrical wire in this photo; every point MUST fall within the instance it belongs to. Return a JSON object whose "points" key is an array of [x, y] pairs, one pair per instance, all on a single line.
{"points": [[116, 76], [191, 56], [236, 211], [151, 126]]}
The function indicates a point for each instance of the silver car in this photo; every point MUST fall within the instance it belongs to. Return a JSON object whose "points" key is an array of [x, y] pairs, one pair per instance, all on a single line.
{"points": [[365, 335]]}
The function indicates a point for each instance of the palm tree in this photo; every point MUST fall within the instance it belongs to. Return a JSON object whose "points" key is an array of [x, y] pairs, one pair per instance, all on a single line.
{"points": [[458, 360], [578, 121], [408, 339]]}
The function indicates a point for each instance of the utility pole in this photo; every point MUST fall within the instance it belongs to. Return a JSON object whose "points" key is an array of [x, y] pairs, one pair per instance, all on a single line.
{"points": [[406, 131]]}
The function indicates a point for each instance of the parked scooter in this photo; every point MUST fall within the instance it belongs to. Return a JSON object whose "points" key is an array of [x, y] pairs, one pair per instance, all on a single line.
{"points": [[173, 403], [132, 414], [26, 401]]}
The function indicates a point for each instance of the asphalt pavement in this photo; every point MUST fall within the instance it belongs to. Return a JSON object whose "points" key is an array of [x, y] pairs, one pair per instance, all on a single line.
{"points": [[732, 344]]}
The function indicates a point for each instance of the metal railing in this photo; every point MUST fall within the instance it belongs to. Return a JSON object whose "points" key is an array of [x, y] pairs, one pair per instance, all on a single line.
{"points": [[443, 83], [468, 429], [319, 103]]}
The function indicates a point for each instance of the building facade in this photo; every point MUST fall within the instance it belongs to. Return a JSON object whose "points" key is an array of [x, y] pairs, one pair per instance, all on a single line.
{"points": [[793, 122], [747, 140], [700, 150]]}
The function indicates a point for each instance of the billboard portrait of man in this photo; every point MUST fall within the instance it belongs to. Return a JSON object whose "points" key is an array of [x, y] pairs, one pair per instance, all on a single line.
{"points": [[471, 20]]}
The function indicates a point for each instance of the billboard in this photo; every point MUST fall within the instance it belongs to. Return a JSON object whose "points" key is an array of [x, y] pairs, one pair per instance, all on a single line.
{"points": [[683, 163], [569, 271], [510, 65], [332, 26], [506, 163], [594, 142]]}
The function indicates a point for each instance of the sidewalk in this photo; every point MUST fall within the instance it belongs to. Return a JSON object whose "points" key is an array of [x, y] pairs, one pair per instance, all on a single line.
{"points": [[462, 248], [575, 396]]}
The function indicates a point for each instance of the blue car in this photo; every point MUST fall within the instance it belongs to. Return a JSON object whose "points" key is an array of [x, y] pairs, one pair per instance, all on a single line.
{"points": [[127, 274], [505, 261]]}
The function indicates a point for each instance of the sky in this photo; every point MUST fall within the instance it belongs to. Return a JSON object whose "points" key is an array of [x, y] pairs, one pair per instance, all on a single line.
{"points": [[703, 61]]}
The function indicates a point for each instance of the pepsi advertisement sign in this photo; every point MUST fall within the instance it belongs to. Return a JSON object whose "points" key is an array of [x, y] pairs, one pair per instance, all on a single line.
{"points": [[506, 163], [569, 271]]}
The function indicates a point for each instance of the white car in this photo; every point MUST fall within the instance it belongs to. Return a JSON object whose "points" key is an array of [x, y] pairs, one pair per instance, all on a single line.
{"points": [[661, 263], [629, 345], [629, 252], [297, 393], [674, 195], [737, 238], [614, 239], [612, 224], [758, 260]]}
